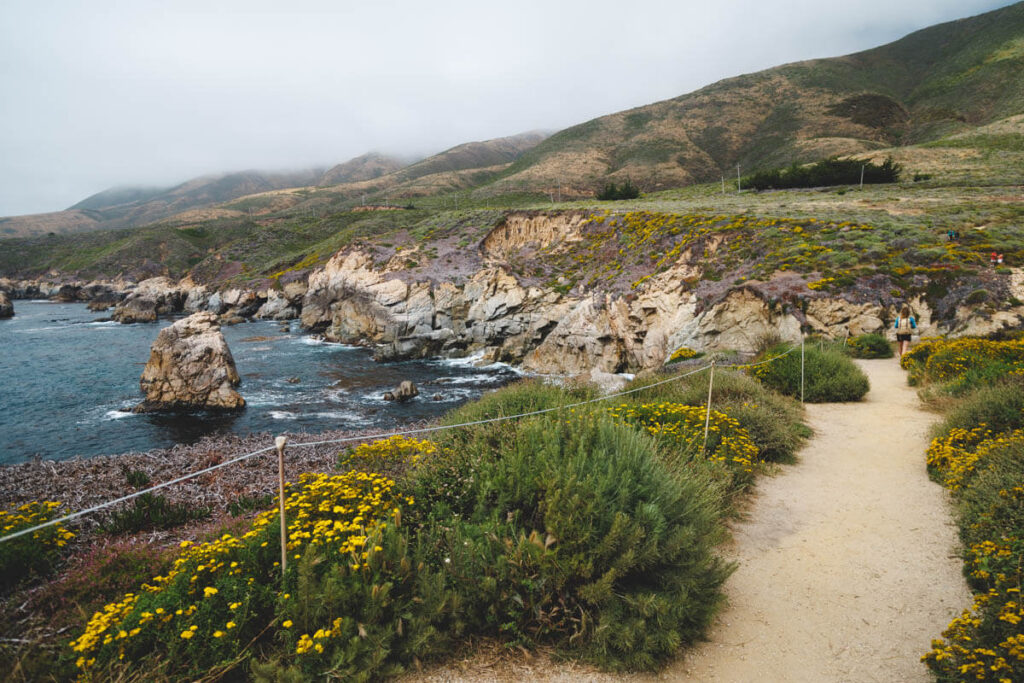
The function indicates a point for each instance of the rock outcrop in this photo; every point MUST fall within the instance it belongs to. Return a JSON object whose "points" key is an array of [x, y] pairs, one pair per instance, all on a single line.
{"points": [[6, 307], [406, 390], [152, 298], [190, 368]]}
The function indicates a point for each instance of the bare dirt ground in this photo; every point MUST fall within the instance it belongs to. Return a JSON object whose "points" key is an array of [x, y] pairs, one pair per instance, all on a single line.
{"points": [[847, 562]]}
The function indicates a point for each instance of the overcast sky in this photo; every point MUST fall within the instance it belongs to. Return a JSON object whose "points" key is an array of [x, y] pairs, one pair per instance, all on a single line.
{"points": [[100, 93]]}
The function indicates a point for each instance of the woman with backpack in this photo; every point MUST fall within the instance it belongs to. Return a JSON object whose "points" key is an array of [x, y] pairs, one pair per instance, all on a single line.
{"points": [[905, 327]]}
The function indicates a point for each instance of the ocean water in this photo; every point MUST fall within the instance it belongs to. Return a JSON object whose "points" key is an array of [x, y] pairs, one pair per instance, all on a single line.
{"points": [[67, 379]]}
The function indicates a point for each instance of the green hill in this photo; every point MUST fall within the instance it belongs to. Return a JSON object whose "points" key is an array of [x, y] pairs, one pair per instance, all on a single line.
{"points": [[942, 80]]}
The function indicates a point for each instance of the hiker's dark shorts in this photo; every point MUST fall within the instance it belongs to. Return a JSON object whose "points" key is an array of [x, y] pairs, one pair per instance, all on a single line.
{"points": [[902, 337]]}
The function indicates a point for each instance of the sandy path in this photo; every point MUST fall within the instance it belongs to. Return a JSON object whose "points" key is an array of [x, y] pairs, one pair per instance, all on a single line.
{"points": [[847, 562]]}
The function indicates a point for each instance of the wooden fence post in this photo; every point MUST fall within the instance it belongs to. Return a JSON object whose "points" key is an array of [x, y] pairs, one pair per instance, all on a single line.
{"points": [[280, 442], [707, 417]]}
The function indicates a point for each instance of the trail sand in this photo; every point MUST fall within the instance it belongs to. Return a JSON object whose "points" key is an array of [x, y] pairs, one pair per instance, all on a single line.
{"points": [[847, 561]]}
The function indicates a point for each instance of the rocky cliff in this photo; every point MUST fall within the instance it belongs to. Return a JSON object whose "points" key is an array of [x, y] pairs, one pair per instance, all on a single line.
{"points": [[575, 292]]}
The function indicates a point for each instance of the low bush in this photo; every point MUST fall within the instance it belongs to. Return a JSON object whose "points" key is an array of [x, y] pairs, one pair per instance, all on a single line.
{"points": [[34, 555], [986, 641], [774, 422], [978, 453], [996, 409], [869, 346], [575, 534], [224, 601], [964, 364], [681, 354], [829, 375], [150, 511]]}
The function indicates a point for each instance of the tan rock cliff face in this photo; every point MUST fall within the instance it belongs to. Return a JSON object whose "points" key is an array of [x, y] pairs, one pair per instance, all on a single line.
{"points": [[190, 367], [152, 298], [352, 300]]}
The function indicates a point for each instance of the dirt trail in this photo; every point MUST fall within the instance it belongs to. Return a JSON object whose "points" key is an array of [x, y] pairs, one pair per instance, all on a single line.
{"points": [[847, 561], [848, 566]]}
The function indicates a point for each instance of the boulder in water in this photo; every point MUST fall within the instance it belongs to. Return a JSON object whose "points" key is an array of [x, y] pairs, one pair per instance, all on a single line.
{"points": [[190, 368], [6, 307], [405, 391]]}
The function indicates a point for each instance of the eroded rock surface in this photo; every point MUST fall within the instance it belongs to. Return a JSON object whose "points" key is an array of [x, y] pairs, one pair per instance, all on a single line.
{"points": [[190, 368], [152, 298], [6, 307]]}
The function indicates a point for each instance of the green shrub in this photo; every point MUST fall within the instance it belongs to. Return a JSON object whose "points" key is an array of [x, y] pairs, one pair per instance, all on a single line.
{"points": [[148, 512], [829, 375], [774, 422], [978, 296], [137, 479], [245, 504], [870, 346], [827, 172], [998, 408], [33, 555], [343, 604], [611, 191], [574, 533], [985, 641]]}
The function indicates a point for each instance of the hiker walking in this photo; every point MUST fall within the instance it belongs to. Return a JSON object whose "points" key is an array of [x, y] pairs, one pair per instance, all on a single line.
{"points": [[905, 327]]}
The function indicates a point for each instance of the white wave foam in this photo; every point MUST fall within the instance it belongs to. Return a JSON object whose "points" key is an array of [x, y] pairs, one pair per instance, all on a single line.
{"points": [[117, 414]]}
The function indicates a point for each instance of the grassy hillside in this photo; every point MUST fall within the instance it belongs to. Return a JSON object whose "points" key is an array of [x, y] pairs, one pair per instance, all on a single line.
{"points": [[942, 80]]}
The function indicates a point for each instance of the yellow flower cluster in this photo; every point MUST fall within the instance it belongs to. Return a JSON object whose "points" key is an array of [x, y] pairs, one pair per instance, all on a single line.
{"points": [[337, 512], [682, 353], [958, 654], [396, 448], [955, 456], [340, 512], [728, 441], [948, 359], [820, 284], [309, 643], [32, 514]]}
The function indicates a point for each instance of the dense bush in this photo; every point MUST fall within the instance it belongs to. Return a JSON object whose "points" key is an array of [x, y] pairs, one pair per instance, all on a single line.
{"points": [[824, 173], [32, 555], [224, 598], [997, 409], [611, 191], [773, 421], [574, 533], [962, 365], [829, 375], [869, 346], [590, 529], [978, 453]]}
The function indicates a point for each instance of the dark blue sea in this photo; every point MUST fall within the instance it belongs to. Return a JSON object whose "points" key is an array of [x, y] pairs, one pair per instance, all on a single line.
{"points": [[67, 378]]}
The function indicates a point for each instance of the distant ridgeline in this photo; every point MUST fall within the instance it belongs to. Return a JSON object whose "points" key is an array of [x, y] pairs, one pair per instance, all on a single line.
{"points": [[825, 173]]}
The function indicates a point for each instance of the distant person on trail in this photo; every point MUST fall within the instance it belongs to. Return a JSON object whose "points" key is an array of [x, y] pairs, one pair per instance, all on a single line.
{"points": [[905, 327]]}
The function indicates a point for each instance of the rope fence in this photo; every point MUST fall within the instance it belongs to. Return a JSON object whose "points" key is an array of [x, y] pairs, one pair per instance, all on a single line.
{"points": [[280, 441]]}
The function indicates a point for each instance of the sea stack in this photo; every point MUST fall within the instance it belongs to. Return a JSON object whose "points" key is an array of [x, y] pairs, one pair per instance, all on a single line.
{"points": [[6, 307], [190, 368]]}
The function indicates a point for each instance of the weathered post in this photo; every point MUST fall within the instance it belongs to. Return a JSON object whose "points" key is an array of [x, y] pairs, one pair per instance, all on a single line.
{"points": [[707, 417], [280, 442]]}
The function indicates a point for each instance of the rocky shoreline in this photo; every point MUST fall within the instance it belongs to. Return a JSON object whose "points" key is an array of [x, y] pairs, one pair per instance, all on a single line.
{"points": [[480, 302], [80, 483]]}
